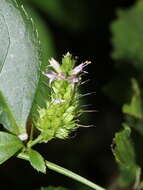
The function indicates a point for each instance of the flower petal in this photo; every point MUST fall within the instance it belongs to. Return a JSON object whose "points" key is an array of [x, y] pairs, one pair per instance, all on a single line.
{"points": [[55, 65], [78, 69]]}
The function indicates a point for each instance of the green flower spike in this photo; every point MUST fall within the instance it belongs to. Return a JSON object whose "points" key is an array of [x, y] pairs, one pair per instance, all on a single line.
{"points": [[59, 118]]}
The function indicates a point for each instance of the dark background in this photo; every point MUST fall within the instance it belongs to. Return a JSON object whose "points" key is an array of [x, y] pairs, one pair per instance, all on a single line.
{"points": [[88, 151]]}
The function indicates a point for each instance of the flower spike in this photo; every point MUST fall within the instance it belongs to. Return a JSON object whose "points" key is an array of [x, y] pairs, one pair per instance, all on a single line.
{"points": [[59, 118]]}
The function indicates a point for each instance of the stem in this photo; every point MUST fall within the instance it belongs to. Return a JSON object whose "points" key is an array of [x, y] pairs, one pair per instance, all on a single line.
{"points": [[72, 175], [137, 181], [31, 132], [34, 142], [66, 172]]}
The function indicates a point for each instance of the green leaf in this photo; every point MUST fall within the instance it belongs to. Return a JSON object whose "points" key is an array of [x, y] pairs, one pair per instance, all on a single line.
{"points": [[125, 156], [53, 188], [127, 35], [37, 161], [9, 145], [4, 39], [135, 107], [19, 76], [124, 152], [47, 51], [135, 123]]}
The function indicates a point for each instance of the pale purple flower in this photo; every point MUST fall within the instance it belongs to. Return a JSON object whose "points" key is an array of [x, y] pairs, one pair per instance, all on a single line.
{"points": [[73, 79], [57, 74], [55, 65], [62, 76], [78, 69], [50, 74], [53, 75]]}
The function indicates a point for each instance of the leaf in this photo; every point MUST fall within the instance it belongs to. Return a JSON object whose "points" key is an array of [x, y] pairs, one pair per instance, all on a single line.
{"points": [[19, 76], [127, 35], [4, 39], [125, 156], [9, 145], [47, 51], [37, 161], [135, 123], [123, 151], [135, 107]]}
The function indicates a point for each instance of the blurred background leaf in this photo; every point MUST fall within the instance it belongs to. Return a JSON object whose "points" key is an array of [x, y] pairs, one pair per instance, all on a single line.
{"points": [[70, 14], [127, 35], [135, 108], [125, 156]]}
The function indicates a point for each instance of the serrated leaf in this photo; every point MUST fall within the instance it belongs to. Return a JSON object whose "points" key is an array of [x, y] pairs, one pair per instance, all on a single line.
{"points": [[20, 72], [125, 156], [127, 35], [37, 161], [135, 107], [9, 145]]}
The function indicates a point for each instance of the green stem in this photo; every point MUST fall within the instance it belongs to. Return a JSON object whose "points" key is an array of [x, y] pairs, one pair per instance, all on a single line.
{"points": [[66, 172], [34, 142], [72, 175]]}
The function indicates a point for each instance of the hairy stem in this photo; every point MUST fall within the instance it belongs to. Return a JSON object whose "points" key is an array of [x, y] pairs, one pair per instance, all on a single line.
{"points": [[66, 172]]}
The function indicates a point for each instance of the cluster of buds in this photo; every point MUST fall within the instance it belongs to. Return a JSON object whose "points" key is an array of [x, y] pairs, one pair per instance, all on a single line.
{"points": [[59, 118]]}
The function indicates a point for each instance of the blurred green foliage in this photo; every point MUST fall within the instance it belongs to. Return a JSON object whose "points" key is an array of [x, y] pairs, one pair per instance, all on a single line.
{"points": [[125, 156], [61, 11], [127, 35], [127, 48]]}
